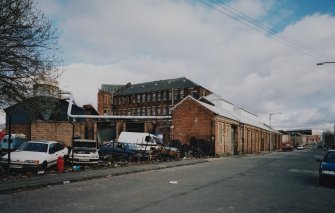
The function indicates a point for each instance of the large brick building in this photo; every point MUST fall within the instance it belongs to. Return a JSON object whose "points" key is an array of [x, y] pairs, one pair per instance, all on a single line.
{"points": [[228, 128], [148, 100], [153, 98]]}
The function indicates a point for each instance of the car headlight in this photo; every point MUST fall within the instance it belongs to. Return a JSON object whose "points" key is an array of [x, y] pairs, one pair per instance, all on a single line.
{"points": [[36, 162]]}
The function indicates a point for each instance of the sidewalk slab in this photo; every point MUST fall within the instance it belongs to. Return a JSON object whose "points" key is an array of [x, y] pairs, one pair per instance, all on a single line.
{"points": [[7, 186]]}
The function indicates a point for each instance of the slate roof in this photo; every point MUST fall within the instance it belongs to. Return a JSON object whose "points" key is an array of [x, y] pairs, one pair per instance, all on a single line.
{"points": [[161, 85], [111, 87]]}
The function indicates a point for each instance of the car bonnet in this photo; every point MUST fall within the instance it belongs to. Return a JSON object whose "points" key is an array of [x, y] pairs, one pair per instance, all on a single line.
{"points": [[26, 155]]}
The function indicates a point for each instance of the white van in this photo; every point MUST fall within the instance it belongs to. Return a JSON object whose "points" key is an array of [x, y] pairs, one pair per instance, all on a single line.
{"points": [[16, 141], [139, 139]]}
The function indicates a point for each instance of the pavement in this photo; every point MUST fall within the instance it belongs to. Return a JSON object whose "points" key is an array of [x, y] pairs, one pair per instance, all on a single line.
{"points": [[21, 184]]}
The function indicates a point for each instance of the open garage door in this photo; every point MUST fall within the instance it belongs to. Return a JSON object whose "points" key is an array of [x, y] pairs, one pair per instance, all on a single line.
{"points": [[135, 127], [106, 133]]}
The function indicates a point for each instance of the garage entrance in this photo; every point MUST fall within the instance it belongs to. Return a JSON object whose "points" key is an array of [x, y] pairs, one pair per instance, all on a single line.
{"points": [[135, 127]]}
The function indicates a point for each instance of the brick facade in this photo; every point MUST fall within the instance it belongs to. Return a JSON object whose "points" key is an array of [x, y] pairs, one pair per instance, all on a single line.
{"points": [[20, 129], [192, 120], [58, 131]]}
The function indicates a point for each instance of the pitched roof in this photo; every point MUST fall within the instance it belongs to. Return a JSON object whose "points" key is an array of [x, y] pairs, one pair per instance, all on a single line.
{"points": [[235, 113], [45, 108], [177, 83]]}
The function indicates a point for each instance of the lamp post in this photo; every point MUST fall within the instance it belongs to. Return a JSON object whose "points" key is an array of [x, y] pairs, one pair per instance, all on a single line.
{"points": [[322, 63], [325, 62], [270, 116]]}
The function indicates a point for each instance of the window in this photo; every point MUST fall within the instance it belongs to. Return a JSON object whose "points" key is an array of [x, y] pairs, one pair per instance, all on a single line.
{"points": [[170, 95], [182, 94], [164, 96], [166, 110], [138, 98], [158, 110], [148, 111], [134, 99], [153, 110], [153, 97], [176, 94], [143, 98], [195, 94], [138, 111], [148, 97], [159, 94]]}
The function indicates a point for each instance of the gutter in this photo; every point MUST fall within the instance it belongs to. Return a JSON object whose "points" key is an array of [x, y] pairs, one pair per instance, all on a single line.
{"points": [[126, 117]]}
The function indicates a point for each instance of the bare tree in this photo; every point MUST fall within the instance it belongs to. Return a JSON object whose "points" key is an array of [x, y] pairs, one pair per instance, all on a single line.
{"points": [[28, 50]]}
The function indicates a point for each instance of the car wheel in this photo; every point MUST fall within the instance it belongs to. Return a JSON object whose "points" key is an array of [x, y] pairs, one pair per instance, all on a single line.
{"points": [[43, 168], [321, 181]]}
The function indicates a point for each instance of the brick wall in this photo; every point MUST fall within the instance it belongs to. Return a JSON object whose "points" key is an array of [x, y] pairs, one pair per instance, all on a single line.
{"points": [[20, 129], [58, 131], [190, 119]]}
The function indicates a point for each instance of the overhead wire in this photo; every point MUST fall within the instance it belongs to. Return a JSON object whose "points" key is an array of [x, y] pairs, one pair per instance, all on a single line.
{"points": [[242, 18]]}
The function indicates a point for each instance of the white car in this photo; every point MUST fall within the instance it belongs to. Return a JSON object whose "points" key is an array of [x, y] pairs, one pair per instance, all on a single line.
{"points": [[84, 152], [300, 147], [35, 155]]}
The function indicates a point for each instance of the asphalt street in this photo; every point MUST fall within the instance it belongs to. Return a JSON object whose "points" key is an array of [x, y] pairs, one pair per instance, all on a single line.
{"points": [[273, 182]]}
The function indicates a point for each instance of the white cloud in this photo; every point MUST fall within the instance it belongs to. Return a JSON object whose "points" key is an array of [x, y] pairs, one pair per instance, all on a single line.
{"points": [[117, 42]]}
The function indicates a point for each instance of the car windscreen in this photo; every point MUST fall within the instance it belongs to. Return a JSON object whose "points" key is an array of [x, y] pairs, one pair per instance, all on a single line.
{"points": [[330, 157], [130, 146], [85, 144], [34, 147]]}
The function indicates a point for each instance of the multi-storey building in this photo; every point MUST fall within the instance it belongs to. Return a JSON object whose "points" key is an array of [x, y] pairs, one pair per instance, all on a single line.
{"points": [[105, 98], [147, 99]]}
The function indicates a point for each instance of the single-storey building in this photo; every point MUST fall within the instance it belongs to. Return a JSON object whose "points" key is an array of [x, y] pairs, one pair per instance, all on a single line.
{"points": [[230, 129], [45, 118]]}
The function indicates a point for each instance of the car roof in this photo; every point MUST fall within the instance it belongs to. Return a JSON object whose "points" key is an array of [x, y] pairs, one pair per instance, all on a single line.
{"points": [[42, 141]]}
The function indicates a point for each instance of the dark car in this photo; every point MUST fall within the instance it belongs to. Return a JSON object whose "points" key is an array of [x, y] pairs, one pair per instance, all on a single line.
{"points": [[287, 147], [327, 168], [118, 151]]}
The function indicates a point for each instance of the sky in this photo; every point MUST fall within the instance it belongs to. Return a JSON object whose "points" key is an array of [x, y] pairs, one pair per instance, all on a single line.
{"points": [[264, 71]]}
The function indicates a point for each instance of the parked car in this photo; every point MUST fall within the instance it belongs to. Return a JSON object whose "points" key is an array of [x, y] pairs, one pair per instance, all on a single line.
{"points": [[118, 151], [35, 155], [300, 147], [84, 152], [287, 147], [16, 141], [327, 168]]}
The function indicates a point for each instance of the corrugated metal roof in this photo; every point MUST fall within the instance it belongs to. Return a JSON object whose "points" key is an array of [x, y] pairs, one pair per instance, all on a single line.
{"points": [[177, 83]]}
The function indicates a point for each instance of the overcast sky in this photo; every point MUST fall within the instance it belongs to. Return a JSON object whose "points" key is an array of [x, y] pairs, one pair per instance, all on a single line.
{"points": [[116, 42]]}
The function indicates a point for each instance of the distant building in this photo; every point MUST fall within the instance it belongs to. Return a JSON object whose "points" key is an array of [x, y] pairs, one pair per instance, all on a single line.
{"points": [[151, 98], [105, 98], [303, 136]]}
